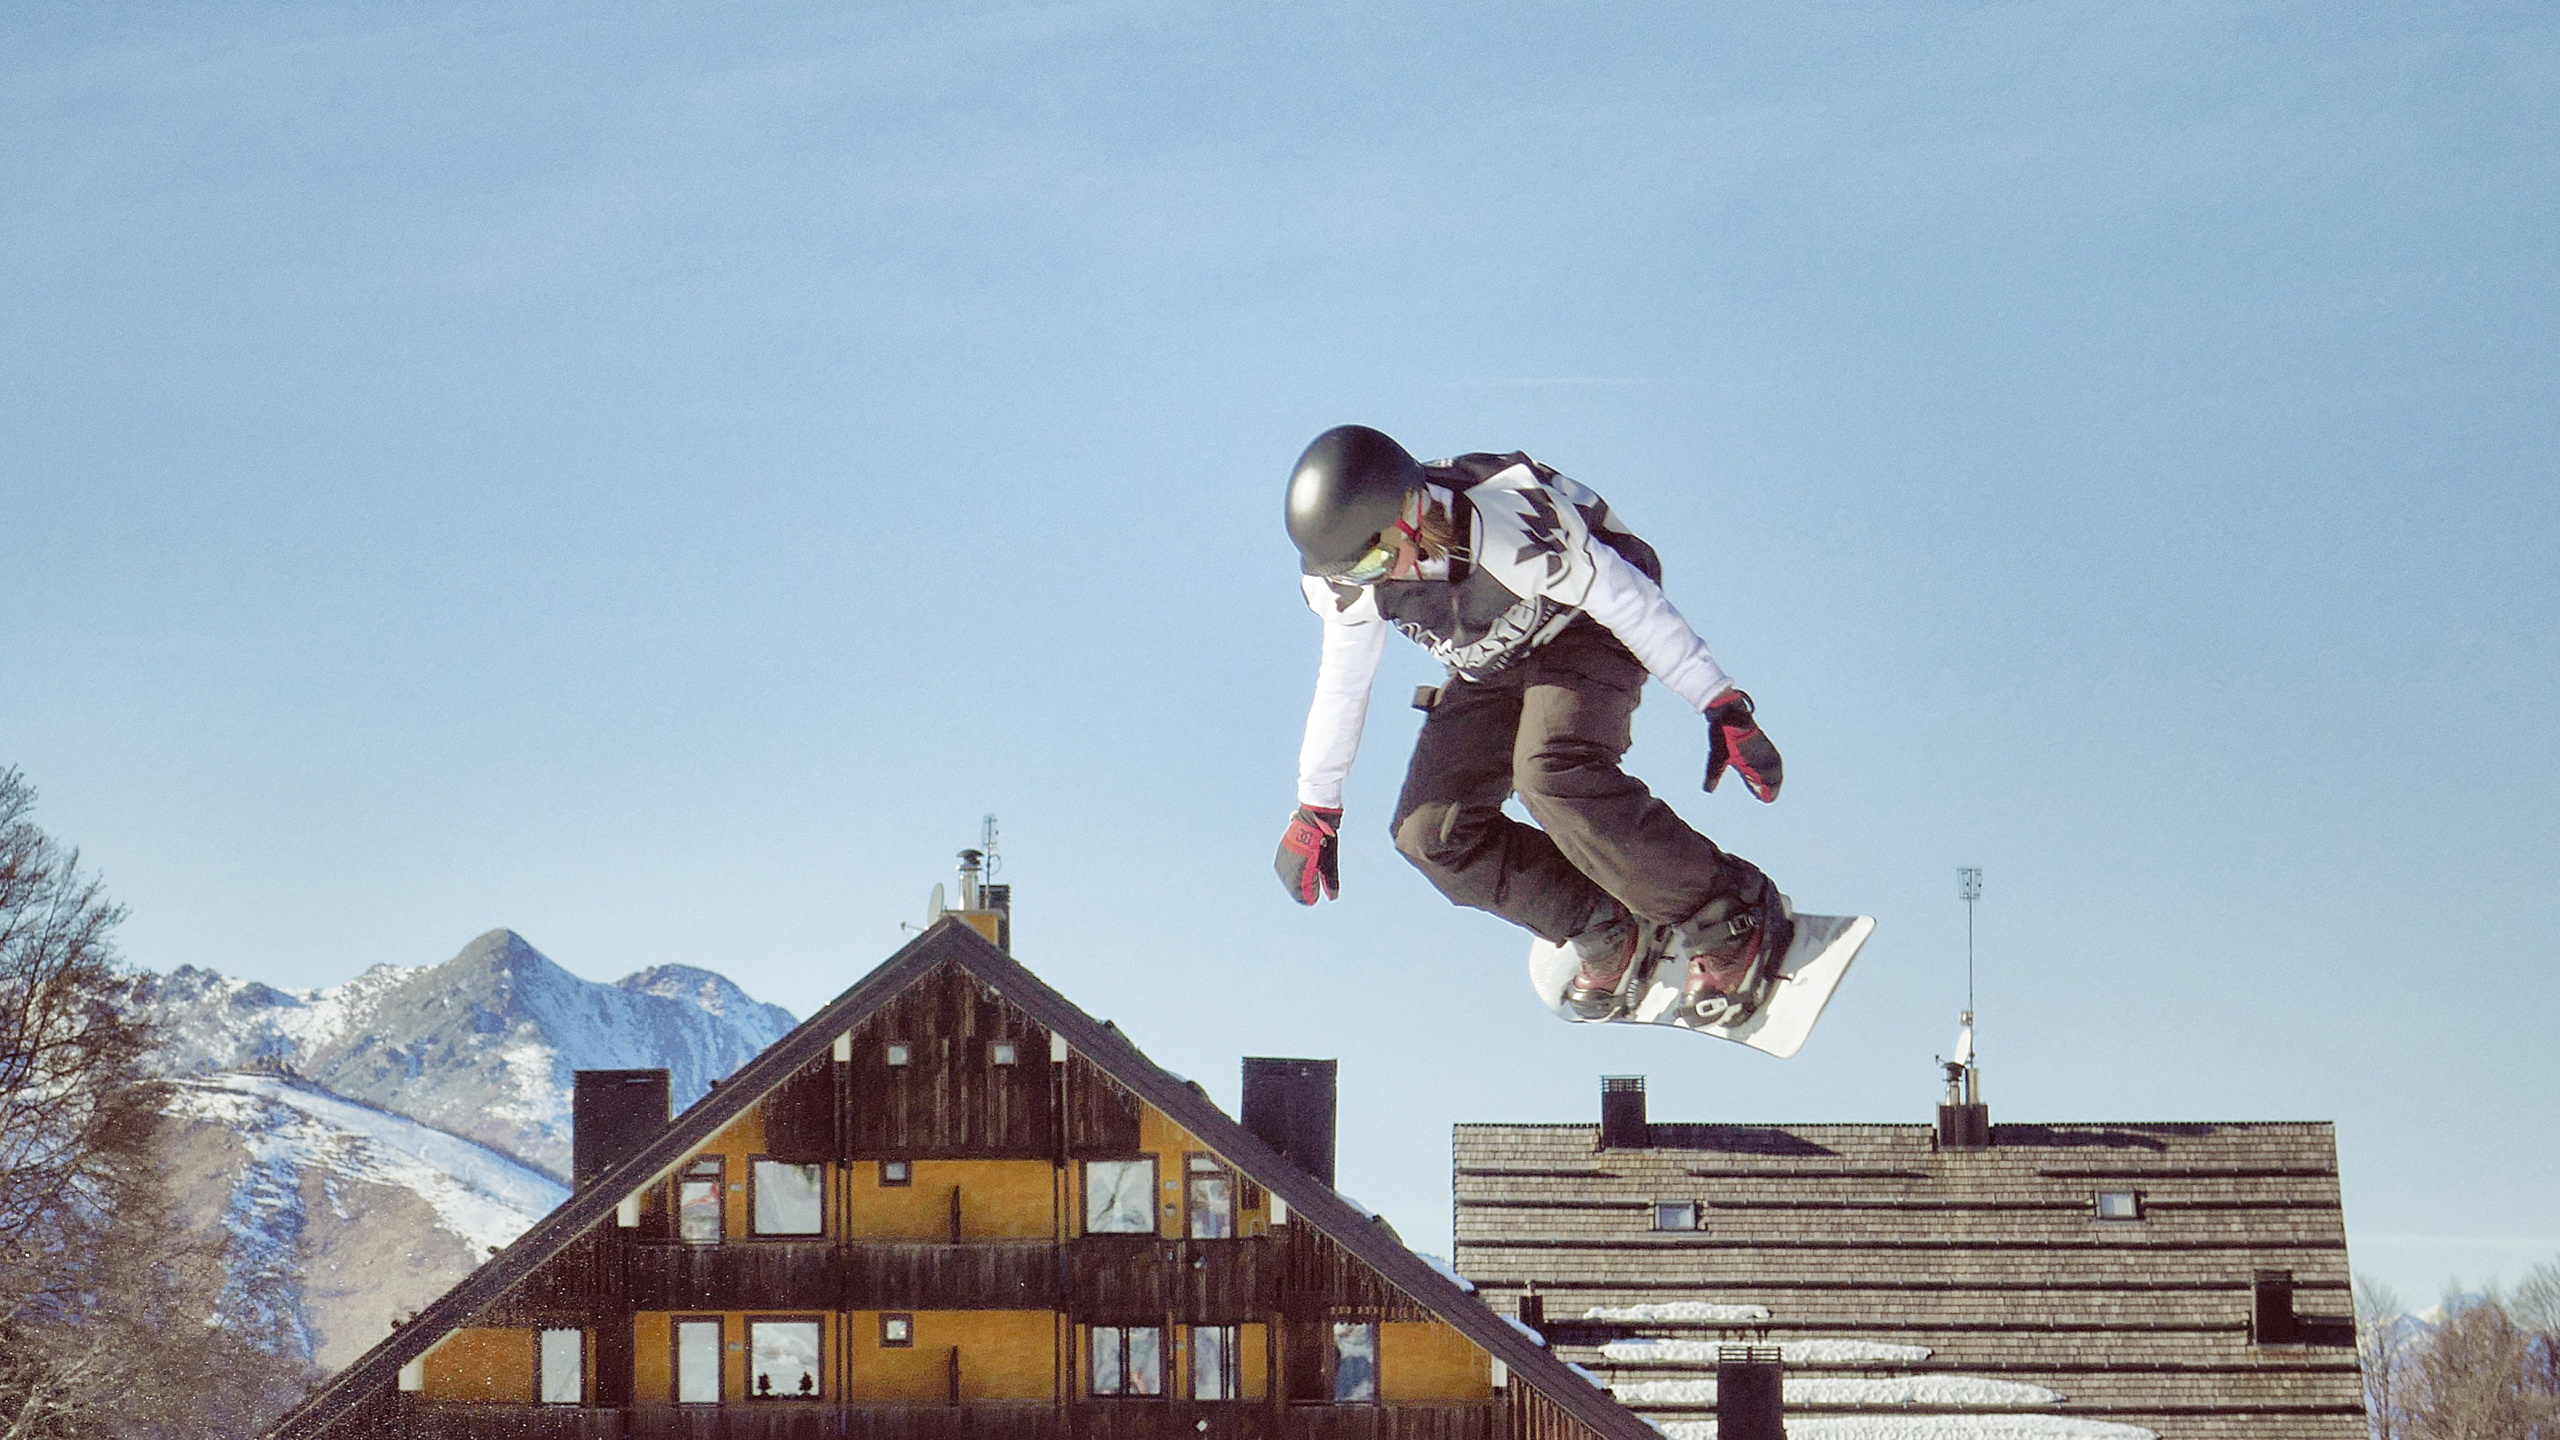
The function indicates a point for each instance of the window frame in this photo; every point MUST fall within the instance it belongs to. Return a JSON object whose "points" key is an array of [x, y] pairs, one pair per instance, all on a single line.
{"points": [[718, 1168], [753, 1183], [1203, 1164], [2133, 1200], [676, 1327], [1231, 1362], [1155, 1195], [542, 1364], [1093, 1354], [1697, 1212], [1333, 1362], [819, 1372], [903, 1318], [900, 1181]]}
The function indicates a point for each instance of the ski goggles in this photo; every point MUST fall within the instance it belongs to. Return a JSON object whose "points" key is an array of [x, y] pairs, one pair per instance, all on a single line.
{"points": [[1380, 560]]}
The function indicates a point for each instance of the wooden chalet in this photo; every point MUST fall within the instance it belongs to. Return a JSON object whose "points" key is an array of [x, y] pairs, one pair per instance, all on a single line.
{"points": [[953, 1204], [2189, 1280]]}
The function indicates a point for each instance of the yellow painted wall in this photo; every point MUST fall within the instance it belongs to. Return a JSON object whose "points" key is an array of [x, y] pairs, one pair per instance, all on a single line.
{"points": [[1172, 1146], [1004, 1355], [653, 1362], [999, 1200], [484, 1365], [1422, 1361]]}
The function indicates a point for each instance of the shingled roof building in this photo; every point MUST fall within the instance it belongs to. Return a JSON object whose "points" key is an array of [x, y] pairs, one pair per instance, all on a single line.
{"points": [[953, 1204], [2189, 1280]]}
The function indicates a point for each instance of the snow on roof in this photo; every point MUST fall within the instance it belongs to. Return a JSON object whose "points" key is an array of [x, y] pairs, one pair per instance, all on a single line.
{"points": [[1798, 1352], [1932, 1427], [1836, 1390], [1676, 1310]]}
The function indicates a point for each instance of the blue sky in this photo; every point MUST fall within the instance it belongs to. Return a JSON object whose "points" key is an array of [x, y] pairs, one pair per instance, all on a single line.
{"points": [[654, 476]]}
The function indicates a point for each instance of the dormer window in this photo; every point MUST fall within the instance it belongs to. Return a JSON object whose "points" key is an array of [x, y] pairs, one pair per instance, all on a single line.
{"points": [[1678, 1215], [2119, 1205]]}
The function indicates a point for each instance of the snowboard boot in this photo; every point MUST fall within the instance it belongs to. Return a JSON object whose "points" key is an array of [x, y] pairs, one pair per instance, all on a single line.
{"points": [[1733, 948], [1604, 988]]}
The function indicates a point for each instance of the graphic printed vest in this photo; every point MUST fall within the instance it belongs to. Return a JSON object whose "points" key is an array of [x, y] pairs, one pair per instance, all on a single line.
{"points": [[1522, 574]]}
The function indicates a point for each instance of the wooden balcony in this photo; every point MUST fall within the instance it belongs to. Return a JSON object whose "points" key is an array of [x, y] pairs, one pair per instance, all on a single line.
{"points": [[1137, 1278], [1089, 1420]]}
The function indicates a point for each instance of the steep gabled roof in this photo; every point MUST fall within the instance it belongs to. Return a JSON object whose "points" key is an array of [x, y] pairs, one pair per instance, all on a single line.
{"points": [[950, 941]]}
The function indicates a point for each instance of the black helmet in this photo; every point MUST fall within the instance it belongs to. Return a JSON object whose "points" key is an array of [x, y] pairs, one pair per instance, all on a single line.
{"points": [[1348, 490]]}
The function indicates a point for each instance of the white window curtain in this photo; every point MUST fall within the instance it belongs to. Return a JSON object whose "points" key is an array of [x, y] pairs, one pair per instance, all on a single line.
{"points": [[1120, 1197], [1355, 1363], [564, 1357], [698, 1362], [790, 1199], [1214, 1362], [1213, 1200]]}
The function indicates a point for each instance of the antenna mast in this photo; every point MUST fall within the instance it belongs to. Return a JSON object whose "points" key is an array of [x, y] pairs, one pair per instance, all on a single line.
{"points": [[1968, 889]]}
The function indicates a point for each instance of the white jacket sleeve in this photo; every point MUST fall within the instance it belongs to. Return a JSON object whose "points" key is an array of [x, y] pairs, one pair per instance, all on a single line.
{"points": [[1352, 647], [1636, 611]]}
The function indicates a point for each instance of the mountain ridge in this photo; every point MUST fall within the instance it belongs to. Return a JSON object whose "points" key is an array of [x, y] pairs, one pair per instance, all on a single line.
{"points": [[364, 1145]]}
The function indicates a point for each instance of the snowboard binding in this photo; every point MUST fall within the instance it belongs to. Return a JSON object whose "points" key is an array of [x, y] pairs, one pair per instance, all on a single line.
{"points": [[1733, 961]]}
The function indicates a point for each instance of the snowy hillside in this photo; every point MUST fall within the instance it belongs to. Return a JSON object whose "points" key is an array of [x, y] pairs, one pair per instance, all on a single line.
{"points": [[484, 1045], [341, 1215], [366, 1144]]}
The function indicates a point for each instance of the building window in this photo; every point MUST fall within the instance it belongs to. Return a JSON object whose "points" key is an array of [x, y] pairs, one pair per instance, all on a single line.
{"points": [[1216, 1371], [1127, 1359], [697, 1362], [2119, 1205], [898, 1053], [787, 1199], [1120, 1197], [782, 1358], [897, 1332], [564, 1367], [897, 1172], [1678, 1215], [1212, 1197], [698, 1201], [1355, 1363], [1003, 1052]]}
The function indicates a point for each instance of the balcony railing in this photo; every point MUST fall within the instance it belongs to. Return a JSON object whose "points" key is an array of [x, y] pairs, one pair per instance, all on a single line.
{"points": [[1101, 1277], [1089, 1420]]}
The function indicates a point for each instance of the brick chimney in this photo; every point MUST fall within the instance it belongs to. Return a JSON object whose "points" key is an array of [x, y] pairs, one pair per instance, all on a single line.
{"points": [[615, 1113], [1622, 1122], [1289, 1106]]}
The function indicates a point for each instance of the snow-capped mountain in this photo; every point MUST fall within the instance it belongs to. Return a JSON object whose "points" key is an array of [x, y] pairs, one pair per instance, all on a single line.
{"points": [[484, 1045], [341, 1216], [367, 1144]]}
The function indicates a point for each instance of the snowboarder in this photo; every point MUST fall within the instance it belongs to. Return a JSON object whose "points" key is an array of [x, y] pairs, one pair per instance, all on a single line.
{"points": [[1549, 617]]}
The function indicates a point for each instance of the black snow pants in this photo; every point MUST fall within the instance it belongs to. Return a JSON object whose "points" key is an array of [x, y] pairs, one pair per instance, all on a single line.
{"points": [[1552, 727]]}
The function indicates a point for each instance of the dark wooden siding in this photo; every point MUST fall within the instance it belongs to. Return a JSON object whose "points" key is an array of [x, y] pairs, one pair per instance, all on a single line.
{"points": [[1139, 1279]]}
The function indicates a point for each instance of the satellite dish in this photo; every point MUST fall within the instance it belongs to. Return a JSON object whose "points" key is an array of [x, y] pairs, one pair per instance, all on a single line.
{"points": [[1964, 1046], [933, 907]]}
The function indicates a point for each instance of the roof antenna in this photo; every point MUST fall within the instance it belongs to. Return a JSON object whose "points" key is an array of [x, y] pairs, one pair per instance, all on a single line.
{"points": [[1964, 1072], [987, 844]]}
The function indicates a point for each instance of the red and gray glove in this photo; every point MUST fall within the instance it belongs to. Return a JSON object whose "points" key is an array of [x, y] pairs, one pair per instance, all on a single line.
{"points": [[1311, 855], [1734, 738]]}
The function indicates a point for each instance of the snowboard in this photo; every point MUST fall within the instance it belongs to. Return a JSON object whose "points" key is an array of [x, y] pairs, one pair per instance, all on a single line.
{"points": [[1817, 960]]}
